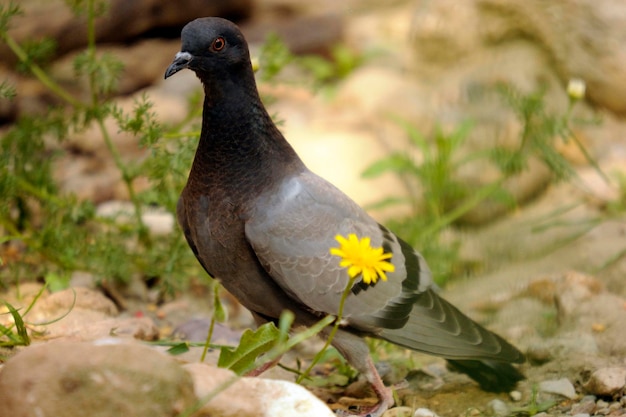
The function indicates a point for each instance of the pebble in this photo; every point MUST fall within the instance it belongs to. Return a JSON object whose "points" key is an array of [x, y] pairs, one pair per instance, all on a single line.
{"points": [[398, 412], [562, 387], [157, 220], [424, 412], [498, 408], [582, 415], [606, 381], [515, 395], [584, 407]]}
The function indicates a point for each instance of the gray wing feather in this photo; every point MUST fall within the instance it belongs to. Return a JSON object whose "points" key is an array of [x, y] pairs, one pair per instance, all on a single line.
{"points": [[292, 230]]}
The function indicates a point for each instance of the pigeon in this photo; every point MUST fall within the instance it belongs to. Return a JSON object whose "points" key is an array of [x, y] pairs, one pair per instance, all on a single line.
{"points": [[262, 223]]}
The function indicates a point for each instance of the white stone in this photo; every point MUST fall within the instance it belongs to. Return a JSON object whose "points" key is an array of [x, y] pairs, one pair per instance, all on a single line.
{"points": [[424, 412], [252, 397], [562, 387]]}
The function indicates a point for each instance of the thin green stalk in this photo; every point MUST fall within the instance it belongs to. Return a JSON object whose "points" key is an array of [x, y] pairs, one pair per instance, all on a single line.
{"points": [[207, 342], [571, 135], [449, 217], [332, 333], [41, 74], [127, 178]]}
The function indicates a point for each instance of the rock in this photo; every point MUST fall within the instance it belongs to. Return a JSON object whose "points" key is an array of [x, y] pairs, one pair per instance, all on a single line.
{"points": [[157, 220], [424, 412], [196, 330], [252, 397], [498, 408], [560, 31], [572, 289], [83, 326], [602, 407], [61, 302], [121, 22], [84, 314], [562, 387], [301, 34], [398, 412], [515, 395], [70, 379], [143, 63], [606, 381], [584, 407]]}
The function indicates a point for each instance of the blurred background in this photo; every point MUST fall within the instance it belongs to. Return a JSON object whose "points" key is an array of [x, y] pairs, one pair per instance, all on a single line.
{"points": [[436, 115]]}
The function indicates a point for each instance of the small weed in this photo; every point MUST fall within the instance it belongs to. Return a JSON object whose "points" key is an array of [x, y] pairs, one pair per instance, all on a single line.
{"points": [[60, 234], [446, 199], [275, 56]]}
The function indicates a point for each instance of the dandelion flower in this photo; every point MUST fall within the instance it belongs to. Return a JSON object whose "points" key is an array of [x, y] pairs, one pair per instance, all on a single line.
{"points": [[361, 258]]}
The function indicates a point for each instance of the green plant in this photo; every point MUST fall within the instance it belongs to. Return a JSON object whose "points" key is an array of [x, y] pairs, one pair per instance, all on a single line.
{"points": [[446, 199], [275, 56], [59, 233], [434, 177], [16, 334]]}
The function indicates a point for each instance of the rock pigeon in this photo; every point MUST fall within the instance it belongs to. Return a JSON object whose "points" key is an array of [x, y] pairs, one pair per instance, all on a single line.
{"points": [[260, 222]]}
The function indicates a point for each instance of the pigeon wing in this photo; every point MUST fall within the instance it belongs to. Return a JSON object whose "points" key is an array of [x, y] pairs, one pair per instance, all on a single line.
{"points": [[292, 229]]}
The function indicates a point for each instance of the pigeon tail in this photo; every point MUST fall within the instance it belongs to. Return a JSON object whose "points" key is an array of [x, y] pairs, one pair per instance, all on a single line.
{"points": [[492, 376], [438, 328]]}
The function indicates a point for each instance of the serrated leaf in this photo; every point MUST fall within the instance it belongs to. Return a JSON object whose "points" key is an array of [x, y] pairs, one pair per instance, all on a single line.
{"points": [[253, 344]]}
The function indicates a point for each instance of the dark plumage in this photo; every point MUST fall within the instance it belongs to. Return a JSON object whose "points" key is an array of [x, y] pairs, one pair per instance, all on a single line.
{"points": [[259, 221]]}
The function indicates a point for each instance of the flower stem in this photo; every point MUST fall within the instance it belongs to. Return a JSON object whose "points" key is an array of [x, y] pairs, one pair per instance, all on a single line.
{"points": [[207, 342], [332, 333]]}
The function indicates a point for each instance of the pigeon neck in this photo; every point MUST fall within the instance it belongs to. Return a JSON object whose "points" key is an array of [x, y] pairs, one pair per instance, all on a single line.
{"points": [[239, 143]]}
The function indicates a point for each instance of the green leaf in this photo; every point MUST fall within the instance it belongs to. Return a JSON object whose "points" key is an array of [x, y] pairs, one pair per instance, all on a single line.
{"points": [[7, 90], [253, 344], [57, 282], [19, 325], [179, 349], [395, 163], [7, 12]]}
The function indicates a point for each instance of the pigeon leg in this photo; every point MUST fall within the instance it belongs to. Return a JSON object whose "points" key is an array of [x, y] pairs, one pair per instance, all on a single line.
{"points": [[355, 351]]}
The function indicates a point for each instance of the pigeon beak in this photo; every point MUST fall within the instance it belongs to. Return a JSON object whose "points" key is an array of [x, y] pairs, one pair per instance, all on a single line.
{"points": [[181, 61]]}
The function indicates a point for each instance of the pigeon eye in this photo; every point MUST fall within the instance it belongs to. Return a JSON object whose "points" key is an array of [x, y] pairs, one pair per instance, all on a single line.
{"points": [[218, 44]]}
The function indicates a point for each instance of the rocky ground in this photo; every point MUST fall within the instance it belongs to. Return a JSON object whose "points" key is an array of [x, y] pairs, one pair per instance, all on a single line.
{"points": [[551, 274]]}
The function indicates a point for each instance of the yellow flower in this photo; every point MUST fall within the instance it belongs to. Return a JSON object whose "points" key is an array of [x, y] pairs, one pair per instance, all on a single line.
{"points": [[361, 258]]}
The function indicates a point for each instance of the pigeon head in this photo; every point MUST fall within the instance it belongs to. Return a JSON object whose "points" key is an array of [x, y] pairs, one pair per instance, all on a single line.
{"points": [[211, 46]]}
